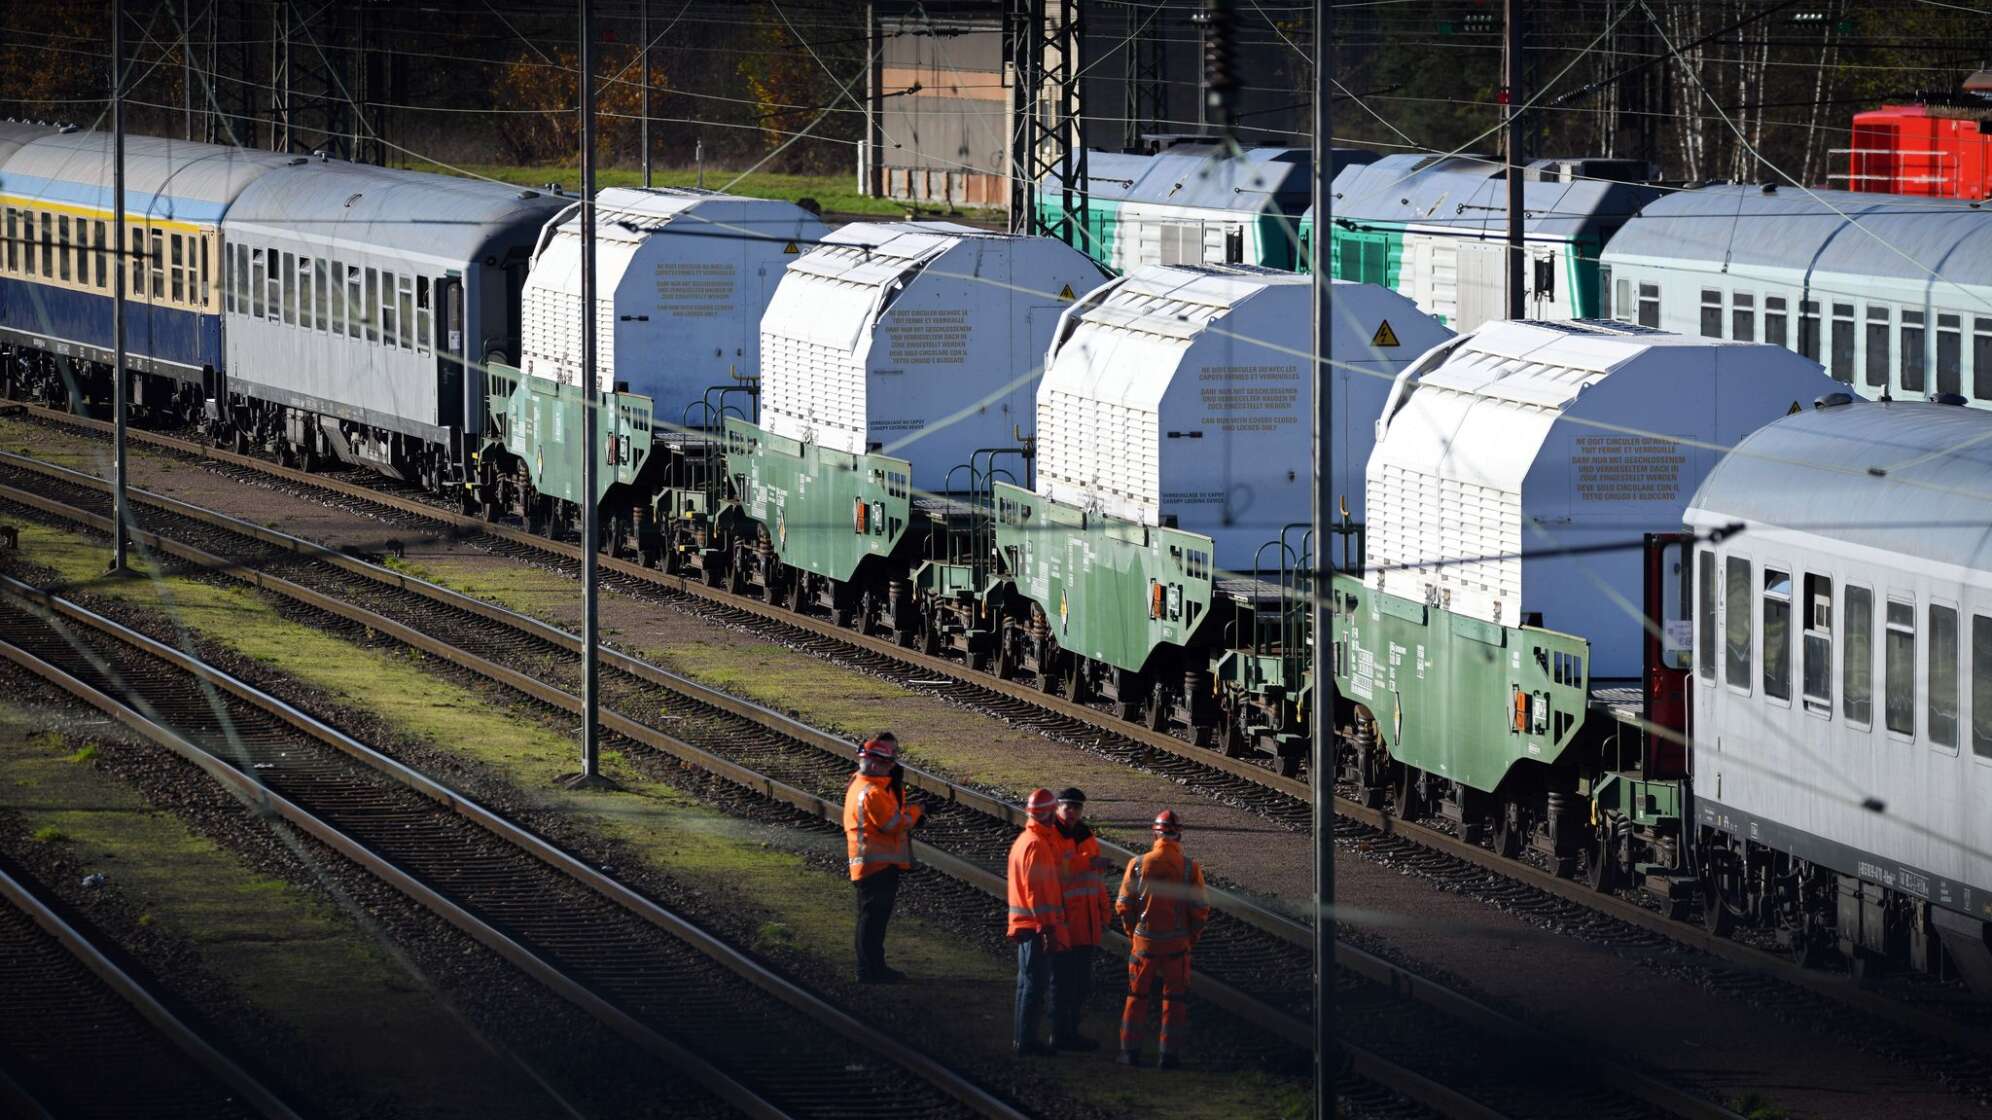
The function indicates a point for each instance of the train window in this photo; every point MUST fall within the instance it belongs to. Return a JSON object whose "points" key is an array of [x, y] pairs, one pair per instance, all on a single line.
{"points": [[13, 254], [1899, 664], [258, 283], [1623, 299], [1981, 686], [1941, 713], [387, 317], [1843, 342], [157, 254], [103, 255], [1705, 605], [201, 268], [1981, 359], [1711, 313], [1743, 317], [1808, 328], [422, 315], [274, 286], [1777, 634], [356, 308], [320, 299], [1649, 305], [337, 295], [178, 268], [405, 290], [1915, 356], [239, 278], [1775, 331], [135, 249], [1816, 673], [372, 305], [47, 247], [288, 275], [62, 246], [1877, 363], [1736, 631], [1950, 354], [304, 292], [1857, 670]]}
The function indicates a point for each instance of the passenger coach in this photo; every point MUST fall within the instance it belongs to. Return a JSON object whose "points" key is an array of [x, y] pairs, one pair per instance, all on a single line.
{"points": [[1843, 682], [1891, 294]]}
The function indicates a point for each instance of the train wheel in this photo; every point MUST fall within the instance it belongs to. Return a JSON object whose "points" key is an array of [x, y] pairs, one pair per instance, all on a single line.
{"points": [[1410, 799], [1718, 914], [1602, 870], [1156, 714], [1235, 744], [1508, 829]]}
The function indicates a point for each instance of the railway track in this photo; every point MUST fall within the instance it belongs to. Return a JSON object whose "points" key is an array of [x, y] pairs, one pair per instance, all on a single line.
{"points": [[1252, 962], [1937, 1014], [687, 998], [73, 1012]]}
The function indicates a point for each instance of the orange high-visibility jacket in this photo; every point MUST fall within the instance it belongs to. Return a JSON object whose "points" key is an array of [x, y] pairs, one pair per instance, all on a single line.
{"points": [[1087, 911], [1036, 896], [1162, 900], [876, 826]]}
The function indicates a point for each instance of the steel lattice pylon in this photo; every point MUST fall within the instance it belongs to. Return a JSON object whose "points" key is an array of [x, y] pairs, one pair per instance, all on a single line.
{"points": [[325, 85], [1146, 102], [1043, 37]]}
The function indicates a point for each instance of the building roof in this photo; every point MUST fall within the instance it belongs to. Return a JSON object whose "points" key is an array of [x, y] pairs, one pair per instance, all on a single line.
{"points": [[1908, 478], [1849, 232]]}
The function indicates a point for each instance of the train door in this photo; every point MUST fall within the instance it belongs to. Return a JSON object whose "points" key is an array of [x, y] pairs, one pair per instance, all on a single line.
{"points": [[450, 386]]}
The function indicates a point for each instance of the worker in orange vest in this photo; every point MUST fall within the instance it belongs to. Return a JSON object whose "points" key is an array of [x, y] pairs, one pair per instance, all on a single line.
{"points": [[877, 827], [1087, 912], [1163, 905], [1037, 917]]}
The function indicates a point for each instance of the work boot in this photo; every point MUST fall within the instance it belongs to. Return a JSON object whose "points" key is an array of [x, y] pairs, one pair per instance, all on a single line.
{"points": [[1130, 1058], [1169, 1061], [1032, 1048], [1076, 1042]]}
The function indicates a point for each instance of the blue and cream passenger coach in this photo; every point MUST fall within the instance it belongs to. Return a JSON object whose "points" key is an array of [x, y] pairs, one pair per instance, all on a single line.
{"points": [[56, 287]]}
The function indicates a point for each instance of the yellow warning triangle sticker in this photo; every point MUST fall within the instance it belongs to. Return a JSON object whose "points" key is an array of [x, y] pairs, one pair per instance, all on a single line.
{"points": [[1384, 336], [1065, 292], [790, 249], [1794, 410]]}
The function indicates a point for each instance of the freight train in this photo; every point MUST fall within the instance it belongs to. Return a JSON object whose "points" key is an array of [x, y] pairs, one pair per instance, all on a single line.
{"points": [[972, 444]]}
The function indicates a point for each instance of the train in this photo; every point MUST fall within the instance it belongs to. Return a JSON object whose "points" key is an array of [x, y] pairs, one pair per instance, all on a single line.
{"points": [[1565, 587]]}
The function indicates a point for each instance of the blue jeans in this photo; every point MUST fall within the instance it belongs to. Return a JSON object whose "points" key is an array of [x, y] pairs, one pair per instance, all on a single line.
{"points": [[1033, 981]]}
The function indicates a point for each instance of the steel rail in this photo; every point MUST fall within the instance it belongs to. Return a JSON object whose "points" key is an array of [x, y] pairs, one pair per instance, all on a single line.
{"points": [[1974, 1039], [1281, 1024], [719, 1083], [183, 1037]]}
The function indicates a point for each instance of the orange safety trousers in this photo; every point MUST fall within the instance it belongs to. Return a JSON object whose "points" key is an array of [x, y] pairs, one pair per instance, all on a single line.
{"points": [[1172, 974]]}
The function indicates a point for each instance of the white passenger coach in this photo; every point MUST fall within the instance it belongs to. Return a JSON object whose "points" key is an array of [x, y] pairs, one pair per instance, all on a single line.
{"points": [[1843, 682]]}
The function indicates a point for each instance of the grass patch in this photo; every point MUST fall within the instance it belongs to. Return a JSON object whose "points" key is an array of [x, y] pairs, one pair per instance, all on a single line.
{"points": [[1756, 1106], [836, 194], [84, 754], [49, 834]]}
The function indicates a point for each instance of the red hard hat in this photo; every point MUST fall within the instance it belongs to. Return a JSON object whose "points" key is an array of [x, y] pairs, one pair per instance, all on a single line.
{"points": [[1041, 801], [1167, 823], [882, 746]]}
